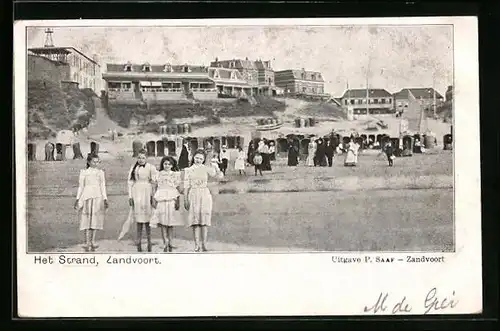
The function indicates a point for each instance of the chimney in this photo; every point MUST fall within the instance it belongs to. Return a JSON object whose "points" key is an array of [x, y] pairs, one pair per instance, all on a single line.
{"points": [[246, 58], [216, 59]]}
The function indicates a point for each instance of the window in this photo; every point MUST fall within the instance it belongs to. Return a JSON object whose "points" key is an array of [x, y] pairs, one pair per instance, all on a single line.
{"points": [[375, 101], [128, 67], [168, 68], [345, 102], [126, 85], [185, 69], [146, 68], [382, 100], [313, 77], [352, 101], [303, 75], [304, 89], [390, 100]]}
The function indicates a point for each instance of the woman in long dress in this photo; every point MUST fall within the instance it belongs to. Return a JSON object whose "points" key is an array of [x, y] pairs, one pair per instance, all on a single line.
{"points": [[198, 199], [239, 164], [311, 153], [140, 196], [251, 153], [263, 149], [293, 155], [91, 201], [352, 154], [166, 200], [321, 154]]}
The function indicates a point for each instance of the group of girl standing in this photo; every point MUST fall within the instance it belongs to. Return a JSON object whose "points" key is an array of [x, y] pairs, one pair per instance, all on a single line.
{"points": [[154, 198]]}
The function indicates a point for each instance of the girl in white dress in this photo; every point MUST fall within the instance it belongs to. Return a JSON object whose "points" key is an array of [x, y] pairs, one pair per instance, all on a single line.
{"points": [[311, 152], [140, 196], [198, 199], [240, 161], [91, 201], [166, 200]]}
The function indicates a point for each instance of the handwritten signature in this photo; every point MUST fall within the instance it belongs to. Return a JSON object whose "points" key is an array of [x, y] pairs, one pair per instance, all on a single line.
{"points": [[432, 303]]}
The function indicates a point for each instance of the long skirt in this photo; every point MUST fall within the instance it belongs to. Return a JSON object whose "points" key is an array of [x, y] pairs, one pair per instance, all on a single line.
{"points": [[350, 159], [92, 214], [239, 164], [200, 206], [310, 160], [142, 193], [165, 214]]}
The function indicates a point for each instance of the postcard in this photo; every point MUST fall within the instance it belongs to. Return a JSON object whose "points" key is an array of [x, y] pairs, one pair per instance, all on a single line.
{"points": [[256, 167]]}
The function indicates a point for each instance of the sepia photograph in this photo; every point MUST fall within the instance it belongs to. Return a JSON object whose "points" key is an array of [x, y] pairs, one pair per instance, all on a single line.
{"points": [[240, 138], [308, 159]]}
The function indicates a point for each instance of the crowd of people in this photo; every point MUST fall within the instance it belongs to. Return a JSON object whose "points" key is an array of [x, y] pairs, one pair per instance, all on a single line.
{"points": [[154, 193]]}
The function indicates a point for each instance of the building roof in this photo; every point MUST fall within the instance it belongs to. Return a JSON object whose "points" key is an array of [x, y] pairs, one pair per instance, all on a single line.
{"points": [[308, 75], [361, 93], [420, 92], [52, 50], [112, 67], [238, 63]]}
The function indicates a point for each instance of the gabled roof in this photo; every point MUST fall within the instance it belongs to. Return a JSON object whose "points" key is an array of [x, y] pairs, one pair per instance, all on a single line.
{"points": [[361, 93], [420, 92], [156, 67]]}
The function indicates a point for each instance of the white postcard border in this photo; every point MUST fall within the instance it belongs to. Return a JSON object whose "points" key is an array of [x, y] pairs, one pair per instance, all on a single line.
{"points": [[266, 284]]}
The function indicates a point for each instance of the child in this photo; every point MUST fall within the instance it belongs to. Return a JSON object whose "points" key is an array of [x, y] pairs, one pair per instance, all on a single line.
{"points": [[224, 157], [390, 154], [91, 200], [140, 196], [166, 200], [240, 161], [198, 199], [257, 161]]}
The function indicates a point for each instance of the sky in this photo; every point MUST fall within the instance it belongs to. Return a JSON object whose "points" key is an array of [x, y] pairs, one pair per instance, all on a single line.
{"points": [[391, 57]]}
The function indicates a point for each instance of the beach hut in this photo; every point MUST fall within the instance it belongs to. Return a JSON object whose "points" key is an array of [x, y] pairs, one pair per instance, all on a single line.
{"points": [[281, 146], [304, 146], [429, 141], [448, 142], [171, 146], [180, 128], [312, 121], [193, 144], [408, 143], [360, 142], [136, 147], [151, 148], [49, 152], [395, 146], [60, 152], [302, 122], [187, 128], [94, 148], [160, 148], [384, 139], [297, 122], [31, 152], [77, 151]]}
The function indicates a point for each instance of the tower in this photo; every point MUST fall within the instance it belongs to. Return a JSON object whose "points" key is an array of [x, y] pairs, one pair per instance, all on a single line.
{"points": [[48, 38]]}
